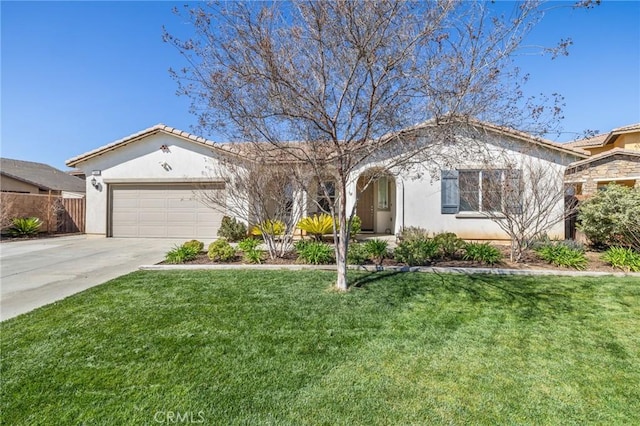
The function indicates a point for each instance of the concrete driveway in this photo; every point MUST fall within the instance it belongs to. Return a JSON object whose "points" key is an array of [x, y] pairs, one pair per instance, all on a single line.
{"points": [[38, 272]]}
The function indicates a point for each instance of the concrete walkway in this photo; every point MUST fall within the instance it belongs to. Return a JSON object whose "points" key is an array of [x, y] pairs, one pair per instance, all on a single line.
{"points": [[35, 273]]}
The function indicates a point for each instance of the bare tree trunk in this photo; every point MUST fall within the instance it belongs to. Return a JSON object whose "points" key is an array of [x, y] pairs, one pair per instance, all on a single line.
{"points": [[342, 240]]}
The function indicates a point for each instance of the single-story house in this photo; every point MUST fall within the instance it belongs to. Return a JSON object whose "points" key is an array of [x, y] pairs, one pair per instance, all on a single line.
{"points": [[143, 185], [614, 157], [28, 177]]}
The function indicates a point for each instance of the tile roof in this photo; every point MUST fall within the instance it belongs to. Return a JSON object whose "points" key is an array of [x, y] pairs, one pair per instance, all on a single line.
{"points": [[604, 138], [41, 175], [245, 149], [136, 136], [605, 154]]}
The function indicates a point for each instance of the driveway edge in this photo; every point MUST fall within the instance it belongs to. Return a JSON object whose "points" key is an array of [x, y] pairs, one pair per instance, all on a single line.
{"points": [[371, 268]]}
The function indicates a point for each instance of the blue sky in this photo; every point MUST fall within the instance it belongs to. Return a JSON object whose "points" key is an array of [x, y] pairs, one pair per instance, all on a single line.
{"points": [[78, 75]]}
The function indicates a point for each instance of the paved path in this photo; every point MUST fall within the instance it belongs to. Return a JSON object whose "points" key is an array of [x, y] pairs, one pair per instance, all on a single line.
{"points": [[34, 273]]}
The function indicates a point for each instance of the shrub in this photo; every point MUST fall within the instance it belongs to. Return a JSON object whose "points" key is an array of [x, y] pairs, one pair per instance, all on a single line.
{"points": [[252, 256], [314, 252], [612, 217], [221, 251], [24, 226], [182, 254], [248, 244], [356, 226], [195, 244], [271, 227], [449, 244], [416, 251], [317, 225], [410, 233], [376, 250], [560, 254], [357, 254], [231, 229], [622, 258], [482, 252]]}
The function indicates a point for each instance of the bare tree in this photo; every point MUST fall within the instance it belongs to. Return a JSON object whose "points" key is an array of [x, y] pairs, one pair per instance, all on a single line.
{"points": [[266, 194], [524, 197], [346, 76]]}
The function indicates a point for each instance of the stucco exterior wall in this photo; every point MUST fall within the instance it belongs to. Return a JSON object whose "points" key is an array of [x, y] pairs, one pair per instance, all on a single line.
{"points": [[143, 162], [418, 189]]}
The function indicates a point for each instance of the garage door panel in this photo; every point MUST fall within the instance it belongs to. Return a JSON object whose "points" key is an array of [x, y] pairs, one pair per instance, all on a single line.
{"points": [[169, 211]]}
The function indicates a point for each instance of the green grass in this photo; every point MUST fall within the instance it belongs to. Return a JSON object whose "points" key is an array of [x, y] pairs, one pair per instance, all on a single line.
{"points": [[231, 347]]}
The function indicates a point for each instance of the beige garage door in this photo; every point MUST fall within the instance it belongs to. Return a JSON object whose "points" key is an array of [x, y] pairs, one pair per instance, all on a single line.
{"points": [[157, 211]]}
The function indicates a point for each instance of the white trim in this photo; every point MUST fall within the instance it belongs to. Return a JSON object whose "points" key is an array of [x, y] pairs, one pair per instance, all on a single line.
{"points": [[616, 179], [143, 181]]}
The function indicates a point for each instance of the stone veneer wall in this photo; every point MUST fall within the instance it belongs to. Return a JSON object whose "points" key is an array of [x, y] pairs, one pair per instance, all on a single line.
{"points": [[617, 167]]}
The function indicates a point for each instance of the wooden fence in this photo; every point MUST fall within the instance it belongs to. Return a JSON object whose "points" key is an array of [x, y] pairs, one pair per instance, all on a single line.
{"points": [[59, 215]]}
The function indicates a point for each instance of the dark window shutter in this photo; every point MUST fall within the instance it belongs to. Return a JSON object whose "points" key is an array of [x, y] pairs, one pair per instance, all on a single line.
{"points": [[450, 192], [513, 189]]}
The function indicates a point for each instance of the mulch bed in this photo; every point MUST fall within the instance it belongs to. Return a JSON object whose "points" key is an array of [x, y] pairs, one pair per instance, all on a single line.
{"points": [[531, 262]]}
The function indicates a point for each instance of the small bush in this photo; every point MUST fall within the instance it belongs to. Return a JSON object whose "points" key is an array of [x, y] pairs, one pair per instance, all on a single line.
{"points": [[232, 230], [376, 250], [252, 256], [559, 254], [417, 251], [248, 244], [24, 226], [271, 227], [623, 258], [198, 246], [357, 254], [449, 244], [356, 226], [410, 233], [317, 225], [181, 254], [314, 252], [221, 251], [612, 217], [482, 253]]}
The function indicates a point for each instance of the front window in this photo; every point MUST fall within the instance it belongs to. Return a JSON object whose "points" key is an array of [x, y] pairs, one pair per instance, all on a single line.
{"points": [[383, 193], [489, 190], [325, 201]]}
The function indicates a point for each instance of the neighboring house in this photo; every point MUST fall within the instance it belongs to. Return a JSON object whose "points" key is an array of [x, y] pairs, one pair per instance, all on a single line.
{"points": [[28, 177], [613, 157], [143, 185]]}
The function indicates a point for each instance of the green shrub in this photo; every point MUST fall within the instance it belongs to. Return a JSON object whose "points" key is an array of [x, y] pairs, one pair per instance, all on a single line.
{"points": [[198, 246], [356, 226], [410, 233], [182, 254], [252, 256], [314, 252], [231, 229], [482, 252], [271, 227], [377, 250], [317, 225], [221, 251], [622, 258], [417, 251], [248, 244], [560, 254], [357, 254], [449, 244], [612, 217], [24, 226]]}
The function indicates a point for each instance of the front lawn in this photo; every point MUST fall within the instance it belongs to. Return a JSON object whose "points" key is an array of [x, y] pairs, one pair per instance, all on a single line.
{"points": [[258, 347]]}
